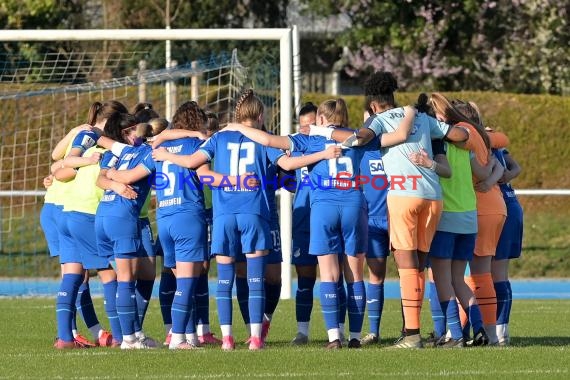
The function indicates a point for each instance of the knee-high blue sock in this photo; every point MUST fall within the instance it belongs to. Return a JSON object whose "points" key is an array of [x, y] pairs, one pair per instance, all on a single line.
{"points": [[255, 275], [375, 303], [84, 305], [65, 304], [502, 290], [304, 298], [356, 303], [166, 291], [437, 314], [182, 304], [202, 301], [475, 318], [272, 294], [226, 274], [329, 304], [451, 312], [127, 307], [341, 293], [110, 302], [509, 301], [242, 293], [143, 293]]}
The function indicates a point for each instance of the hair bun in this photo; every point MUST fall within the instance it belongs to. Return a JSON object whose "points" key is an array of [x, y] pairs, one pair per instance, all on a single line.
{"points": [[380, 83]]}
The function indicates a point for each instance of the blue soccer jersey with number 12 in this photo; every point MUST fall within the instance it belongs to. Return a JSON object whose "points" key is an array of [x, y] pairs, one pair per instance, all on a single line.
{"points": [[235, 155]]}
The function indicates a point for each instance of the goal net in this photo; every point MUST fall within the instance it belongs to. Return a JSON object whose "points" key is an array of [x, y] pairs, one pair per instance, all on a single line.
{"points": [[44, 95]]}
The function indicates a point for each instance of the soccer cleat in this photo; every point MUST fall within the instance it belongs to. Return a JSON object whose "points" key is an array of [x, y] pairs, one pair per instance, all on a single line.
{"points": [[265, 329], [300, 339], [105, 340], [354, 343], [115, 344], [64, 345], [480, 338], [334, 345], [369, 339], [147, 341], [137, 344], [255, 343], [451, 343], [399, 339], [167, 340], [228, 343], [209, 338], [83, 341], [410, 341], [431, 341]]}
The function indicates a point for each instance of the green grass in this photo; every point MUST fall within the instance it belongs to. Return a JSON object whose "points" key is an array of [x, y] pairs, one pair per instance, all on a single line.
{"points": [[539, 329]]}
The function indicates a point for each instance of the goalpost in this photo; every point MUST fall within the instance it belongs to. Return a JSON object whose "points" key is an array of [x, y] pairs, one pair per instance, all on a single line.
{"points": [[288, 40]]}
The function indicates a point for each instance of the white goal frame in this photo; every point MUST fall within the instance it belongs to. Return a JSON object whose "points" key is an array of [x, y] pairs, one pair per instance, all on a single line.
{"points": [[285, 38]]}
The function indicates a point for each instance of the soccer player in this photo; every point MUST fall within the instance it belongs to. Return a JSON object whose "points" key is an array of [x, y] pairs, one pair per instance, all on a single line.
{"points": [[414, 207], [305, 264]]}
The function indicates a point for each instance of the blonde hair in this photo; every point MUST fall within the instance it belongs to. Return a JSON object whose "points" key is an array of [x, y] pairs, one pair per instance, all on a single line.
{"points": [[335, 111], [158, 125], [457, 112], [248, 107]]}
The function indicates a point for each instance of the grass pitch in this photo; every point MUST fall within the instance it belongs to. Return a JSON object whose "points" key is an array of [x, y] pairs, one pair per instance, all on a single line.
{"points": [[540, 348]]}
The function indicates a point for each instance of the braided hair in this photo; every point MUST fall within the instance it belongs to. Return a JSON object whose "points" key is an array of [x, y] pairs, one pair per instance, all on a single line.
{"points": [[248, 107]]}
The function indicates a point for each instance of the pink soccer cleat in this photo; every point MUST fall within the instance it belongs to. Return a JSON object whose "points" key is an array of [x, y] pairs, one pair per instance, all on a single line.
{"points": [[61, 344], [105, 340], [209, 338], [228, 343], [255, 343], [167, 340], [84, 341]]}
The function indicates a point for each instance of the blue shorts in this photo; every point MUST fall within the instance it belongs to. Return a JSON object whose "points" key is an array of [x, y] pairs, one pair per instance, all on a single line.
{"points": [[452, 246], [301, 240], [82, 229], [48, 220], [147, 239], [118, 237], [338, 229], [183, 237], [275, 255], [378, 238], [510, 241], [68, 252], [235, 233]]}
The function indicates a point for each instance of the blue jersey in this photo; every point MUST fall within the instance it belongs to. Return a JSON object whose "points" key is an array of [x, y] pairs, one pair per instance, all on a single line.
{"points": [[506, 188], [302, 201], [235, 155], [178, 189], [375, 184], [113, 204], [84, 140], [333, 181]]}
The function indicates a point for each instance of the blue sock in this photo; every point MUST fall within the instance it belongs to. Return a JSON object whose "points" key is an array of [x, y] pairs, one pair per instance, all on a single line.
{"points": [[182, 304], [304, 298], [375, 303], [341, 293], [242, 293], [451, 312], [272, 294], [127, 307], [356, 302], [226, 274], [110, 301], [65, 304], [437, 314], [509, 301], [475, 318], [202, 301], [329, 304], [255, 276], [502, 290], [166, 291], [143, 293], [84, 305]]}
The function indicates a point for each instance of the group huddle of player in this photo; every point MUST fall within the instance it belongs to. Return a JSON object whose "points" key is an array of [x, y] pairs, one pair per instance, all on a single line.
{"points": [[453, 206]]}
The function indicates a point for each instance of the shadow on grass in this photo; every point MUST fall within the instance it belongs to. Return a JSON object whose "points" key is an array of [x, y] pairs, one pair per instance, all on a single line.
{"points": [[551, 341]]}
